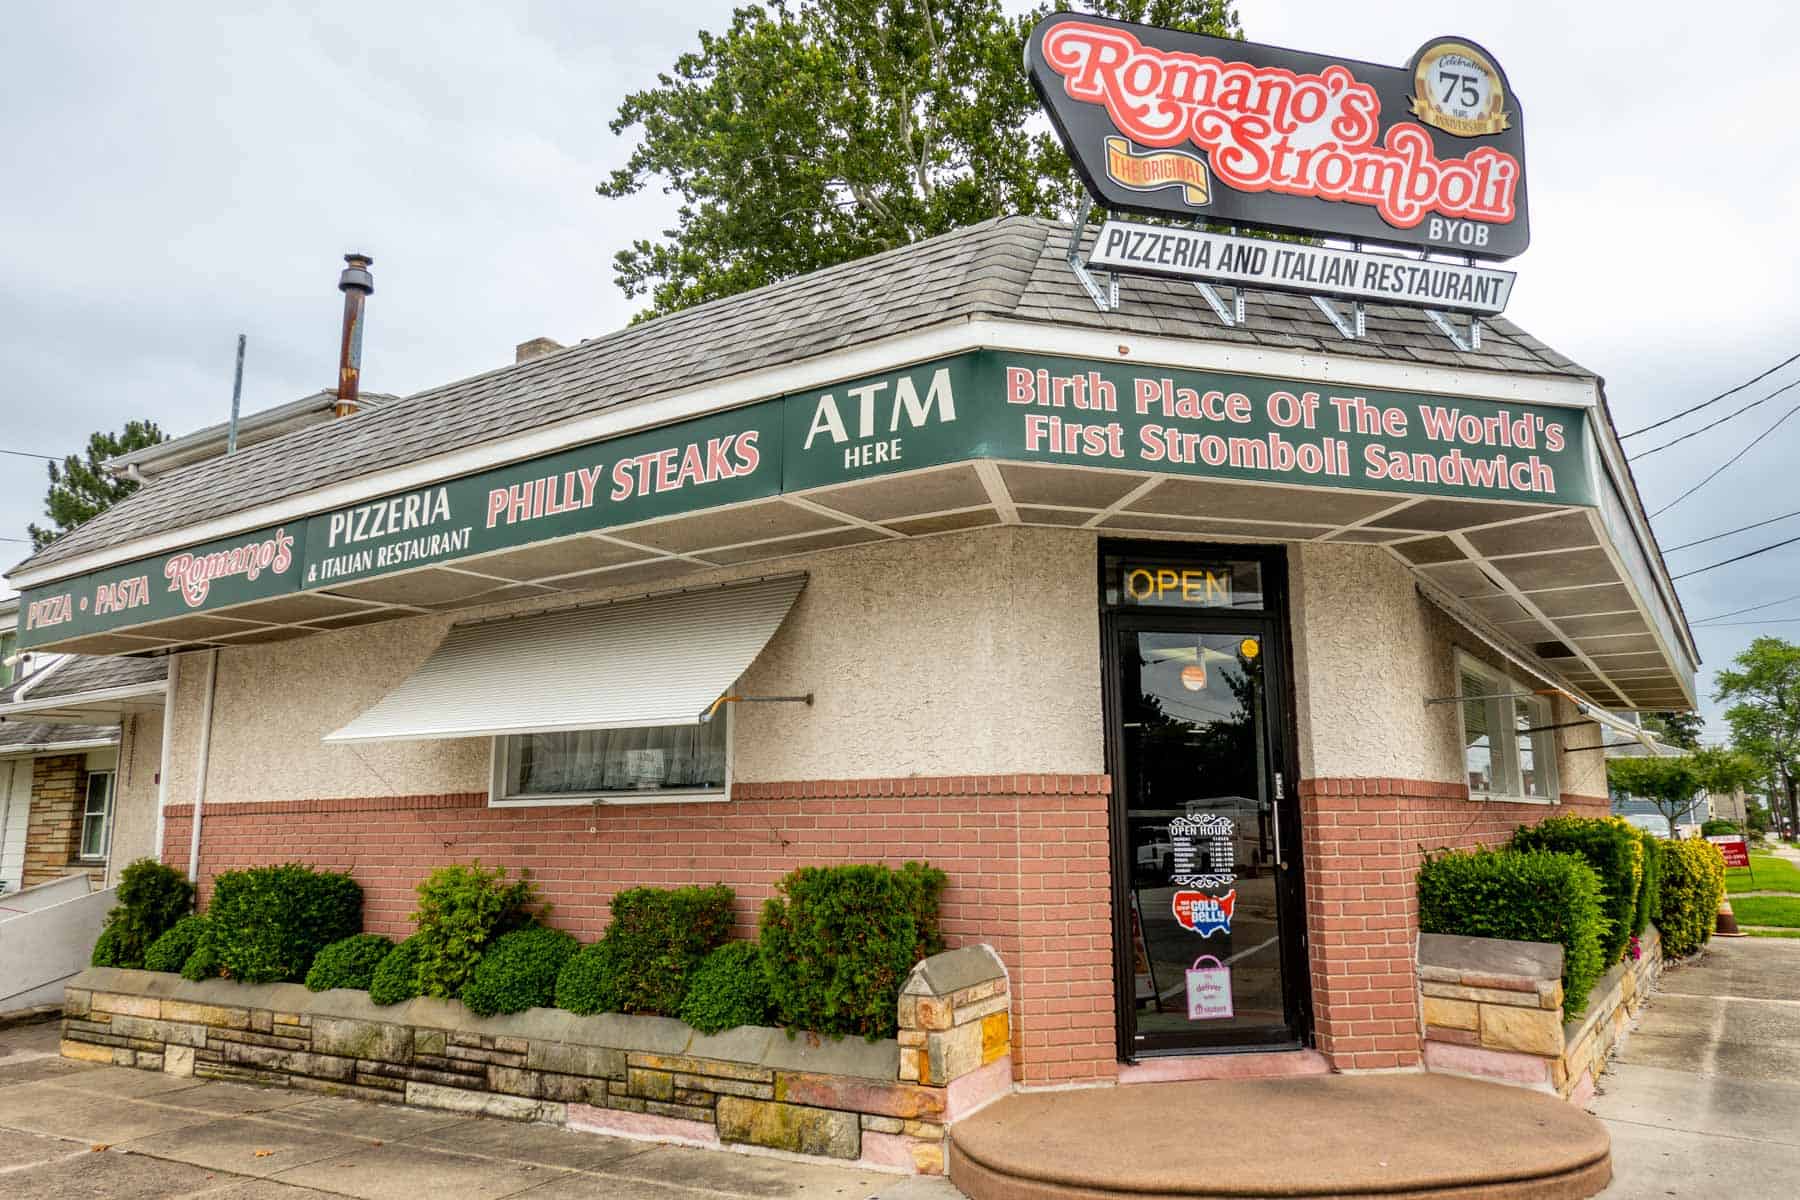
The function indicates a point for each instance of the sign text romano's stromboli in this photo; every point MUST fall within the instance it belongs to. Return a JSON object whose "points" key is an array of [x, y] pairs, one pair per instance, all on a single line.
{"points": [[1431, 154], [984, 404]]}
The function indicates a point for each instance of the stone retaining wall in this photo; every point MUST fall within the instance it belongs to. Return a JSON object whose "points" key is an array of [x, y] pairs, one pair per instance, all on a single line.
{"points": [[885, 1104], [1493, 1009]]}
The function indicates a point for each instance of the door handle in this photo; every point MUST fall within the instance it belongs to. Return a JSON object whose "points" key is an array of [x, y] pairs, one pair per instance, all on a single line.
{"points": [[1279, 862]]}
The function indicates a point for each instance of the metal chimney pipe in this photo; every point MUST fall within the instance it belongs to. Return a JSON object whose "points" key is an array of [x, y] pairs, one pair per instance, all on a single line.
{"points": [[356, 282]]}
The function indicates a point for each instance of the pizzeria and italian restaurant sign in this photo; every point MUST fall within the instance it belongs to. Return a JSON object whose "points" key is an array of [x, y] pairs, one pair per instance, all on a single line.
{"points": [[979, 405]]}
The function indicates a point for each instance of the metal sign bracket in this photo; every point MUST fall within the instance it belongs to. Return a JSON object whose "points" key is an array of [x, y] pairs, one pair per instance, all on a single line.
{"points": [[1352, 328], [1469, 344], [1231, 318], [1107, 301]]}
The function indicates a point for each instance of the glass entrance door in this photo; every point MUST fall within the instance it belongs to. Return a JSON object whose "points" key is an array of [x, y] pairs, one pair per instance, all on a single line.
{"points": [[1210, 841]]}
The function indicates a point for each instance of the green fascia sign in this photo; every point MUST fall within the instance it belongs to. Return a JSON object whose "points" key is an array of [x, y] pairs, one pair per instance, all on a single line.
{"points": [[985, 404]]}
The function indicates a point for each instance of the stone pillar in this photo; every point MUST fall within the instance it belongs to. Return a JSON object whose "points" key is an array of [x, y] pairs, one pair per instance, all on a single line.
{"points": [[53, 835], [955, 1033]]}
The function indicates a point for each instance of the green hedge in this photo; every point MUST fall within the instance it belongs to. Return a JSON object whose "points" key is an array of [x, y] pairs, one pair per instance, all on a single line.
{"points": [[269, 922], [152, 898], [838, 942], [1649, 891], [641, 964], [730, 988], [396, 977], [1693, 883], [462, 908], [1523, 895], [1612, 847], [518, 971], [171, 951], [348, 963], [1719, 827]]}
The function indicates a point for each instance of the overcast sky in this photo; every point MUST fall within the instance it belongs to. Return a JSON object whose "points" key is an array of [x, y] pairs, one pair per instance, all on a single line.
{"points": [[175, 176]]}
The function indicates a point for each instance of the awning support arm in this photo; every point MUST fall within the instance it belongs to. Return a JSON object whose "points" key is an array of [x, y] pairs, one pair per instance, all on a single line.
{"points": [[724, 700]]}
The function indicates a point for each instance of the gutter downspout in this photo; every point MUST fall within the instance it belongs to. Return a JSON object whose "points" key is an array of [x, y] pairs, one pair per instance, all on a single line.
{"points": [[206, 708], [162, 767]]}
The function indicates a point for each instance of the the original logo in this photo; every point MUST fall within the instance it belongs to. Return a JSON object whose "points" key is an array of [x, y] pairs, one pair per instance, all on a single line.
{"points": [[1457, 88], [1205, 915], [1158, 169]]}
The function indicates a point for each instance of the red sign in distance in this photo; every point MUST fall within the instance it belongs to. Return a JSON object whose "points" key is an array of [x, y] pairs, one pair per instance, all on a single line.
{"points": [[1735, 847]]}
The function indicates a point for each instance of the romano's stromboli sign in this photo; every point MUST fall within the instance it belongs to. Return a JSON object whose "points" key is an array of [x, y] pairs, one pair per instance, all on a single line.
{"points": [[1165, 123], [985, 404]]}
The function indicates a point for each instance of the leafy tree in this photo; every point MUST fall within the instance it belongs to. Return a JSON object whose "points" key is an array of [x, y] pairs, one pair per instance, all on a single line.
{"points": [[1764, 689], [1681, 729], [1675, 783], [813, 132], [80, 486]]}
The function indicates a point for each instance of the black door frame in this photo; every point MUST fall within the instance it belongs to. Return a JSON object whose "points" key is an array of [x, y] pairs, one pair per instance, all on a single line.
{"points": [[1283, 760]]}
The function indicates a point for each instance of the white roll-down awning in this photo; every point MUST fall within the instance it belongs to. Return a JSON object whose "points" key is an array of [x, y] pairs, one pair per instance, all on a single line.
{"points": [[661, 660]]}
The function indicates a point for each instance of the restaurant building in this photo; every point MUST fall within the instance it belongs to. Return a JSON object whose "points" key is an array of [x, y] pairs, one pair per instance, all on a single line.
{"points": [[1174, 641]]}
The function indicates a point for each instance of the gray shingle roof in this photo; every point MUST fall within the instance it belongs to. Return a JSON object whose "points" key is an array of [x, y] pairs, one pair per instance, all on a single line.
{"points": [[88, 673], [16, 736], [1009, 268]]}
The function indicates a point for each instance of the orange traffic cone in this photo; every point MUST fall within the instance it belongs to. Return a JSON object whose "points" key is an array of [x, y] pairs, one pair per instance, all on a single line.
{"points": [[1726, 924]]}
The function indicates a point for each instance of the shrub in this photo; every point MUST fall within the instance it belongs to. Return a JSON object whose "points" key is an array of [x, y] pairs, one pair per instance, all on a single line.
{"points": [[269, 922], [461, 909], [152, 898], [1524, 895], [728, 989], [348, 963], [519, 971], [1650, 889], [838, 942], [1719, 827], [106, 949], [642, 963], [1612, 847], [396, 977], [1693, 883], [203, 963], [171, 951]]}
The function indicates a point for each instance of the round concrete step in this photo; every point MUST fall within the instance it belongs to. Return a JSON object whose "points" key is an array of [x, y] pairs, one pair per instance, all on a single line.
{"points": [[1344, 1137]]}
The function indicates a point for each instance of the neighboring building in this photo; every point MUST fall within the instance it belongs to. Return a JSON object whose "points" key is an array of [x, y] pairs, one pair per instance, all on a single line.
{"points": [[1156, 633], [253, 429], [80, 742]]}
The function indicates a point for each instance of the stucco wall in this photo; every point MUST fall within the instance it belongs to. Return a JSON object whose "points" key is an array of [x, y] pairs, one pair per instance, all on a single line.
{"points": [[134, 798], [1369, 650], [974, 653], [970, 654]]}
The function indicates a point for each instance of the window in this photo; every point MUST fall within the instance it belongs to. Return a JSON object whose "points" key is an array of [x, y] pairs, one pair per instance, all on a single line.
{"points": [[1509, 751], [96, 816], [621, 766]]}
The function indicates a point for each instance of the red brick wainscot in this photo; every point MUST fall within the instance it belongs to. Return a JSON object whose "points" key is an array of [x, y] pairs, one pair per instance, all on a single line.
{"points": [[1026, 856], [1364, 840]]}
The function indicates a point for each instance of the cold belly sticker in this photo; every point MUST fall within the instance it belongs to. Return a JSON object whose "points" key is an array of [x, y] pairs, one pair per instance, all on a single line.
{"points": [[1205, 915]]}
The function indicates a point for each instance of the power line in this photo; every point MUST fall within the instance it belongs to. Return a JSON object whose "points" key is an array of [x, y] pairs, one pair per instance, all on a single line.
{"points": [[1721, 467], [29, 454], [1696, 408], [1734, 612], [1777, 621], [1740, 558], [1740, 529], [1715, 424]]}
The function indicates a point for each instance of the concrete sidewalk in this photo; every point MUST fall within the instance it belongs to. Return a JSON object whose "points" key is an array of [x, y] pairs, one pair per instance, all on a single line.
{"points": [[74, 1129], [1703, 1100]]}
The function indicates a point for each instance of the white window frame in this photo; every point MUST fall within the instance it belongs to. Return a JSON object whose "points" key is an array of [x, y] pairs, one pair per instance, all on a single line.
{"points": [[106, 816], [497, 797], [1503, 737]]}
